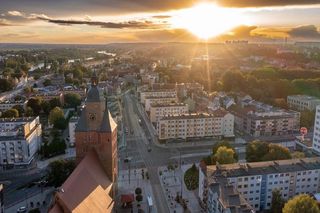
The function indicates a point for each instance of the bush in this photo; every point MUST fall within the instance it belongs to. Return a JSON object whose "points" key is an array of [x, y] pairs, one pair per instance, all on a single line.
{"points": [[191, 178]]}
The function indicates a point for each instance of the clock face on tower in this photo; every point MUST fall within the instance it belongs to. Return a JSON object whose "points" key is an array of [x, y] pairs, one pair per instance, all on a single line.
{"points": [[92, 116]]}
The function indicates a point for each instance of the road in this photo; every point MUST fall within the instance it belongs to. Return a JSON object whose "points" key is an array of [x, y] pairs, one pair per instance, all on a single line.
{"points": [[138, 145]]}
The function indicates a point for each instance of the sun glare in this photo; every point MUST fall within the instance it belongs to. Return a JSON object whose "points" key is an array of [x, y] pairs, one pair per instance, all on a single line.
{"points": [[208, 20]]}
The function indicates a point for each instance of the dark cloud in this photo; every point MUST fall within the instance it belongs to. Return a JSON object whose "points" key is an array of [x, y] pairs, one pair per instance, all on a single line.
{"points": [[307, 31], [161, 17], [265, 3], [115, 25]]}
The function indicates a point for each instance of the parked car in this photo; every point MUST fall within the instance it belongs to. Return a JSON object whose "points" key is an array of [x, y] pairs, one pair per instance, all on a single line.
{"points": [[22, 209]]}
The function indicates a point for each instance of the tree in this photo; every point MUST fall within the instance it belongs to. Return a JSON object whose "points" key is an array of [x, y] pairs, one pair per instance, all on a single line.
{"points": [[6, 84], [10, 113], [54, 102], [298, 155], [45, 105], [46, 82], [191, 177], [277, 152], [56, 118], [225, 144], [301, 204], [224, 155], [35, 105], [59, 171], [277, 202], [19, 108], [72, 100], [255, 150], [139, 196], [307, 118], [28, 112]]}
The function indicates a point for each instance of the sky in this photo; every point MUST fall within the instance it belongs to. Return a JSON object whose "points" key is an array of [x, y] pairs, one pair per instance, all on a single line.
{"points": [[107, 21]]}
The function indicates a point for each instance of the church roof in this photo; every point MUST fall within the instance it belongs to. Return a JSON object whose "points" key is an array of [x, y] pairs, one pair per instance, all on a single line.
{"points": [[87, 189], [94, 94], [108, 124]]}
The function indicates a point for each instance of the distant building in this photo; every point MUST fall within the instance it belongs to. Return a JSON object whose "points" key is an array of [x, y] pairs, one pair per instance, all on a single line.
{"points": [[218, 124], [259, 119], [20, 140], [47, 96], [5, 105], [159, 100], [316, 131], [302, 102], [157, 111], [58, 80], [72, 90], [157, 94], [254, 182]]}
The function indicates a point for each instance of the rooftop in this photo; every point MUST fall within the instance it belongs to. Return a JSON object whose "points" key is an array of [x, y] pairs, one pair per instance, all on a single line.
{"points": [[304, 97], [168, 104], [267, 167], [217, 113]]}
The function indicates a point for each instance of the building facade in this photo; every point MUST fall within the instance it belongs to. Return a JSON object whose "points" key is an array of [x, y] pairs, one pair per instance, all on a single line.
{"points": [[20, 140], [158, 111], [302, 102], [157, 94], [5, 105], [255, 182], [316, 131], [218, 124], [72, 127], [96, 130], [159, 100]]}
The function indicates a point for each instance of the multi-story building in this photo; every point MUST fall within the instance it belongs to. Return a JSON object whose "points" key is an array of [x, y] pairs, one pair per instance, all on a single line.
{"points": [[157, 111], [255, 182], [158, 100], [218, 124], [302, 102], [5, 105], [316, 131], [47, 96], [258, 119], [157, 94], [20, 140], [72, 90]]}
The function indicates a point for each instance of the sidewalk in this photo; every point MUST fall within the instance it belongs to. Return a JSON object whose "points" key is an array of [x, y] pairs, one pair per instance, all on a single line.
{"points": [[172, 184], [136, 180]]}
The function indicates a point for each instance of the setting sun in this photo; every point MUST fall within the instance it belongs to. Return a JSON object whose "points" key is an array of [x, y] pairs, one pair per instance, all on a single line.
{"points": [[208, 20]]}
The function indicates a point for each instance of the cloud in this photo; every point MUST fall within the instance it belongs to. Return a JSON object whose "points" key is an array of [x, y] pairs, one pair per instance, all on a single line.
{"points": [[161, 16], [306, 31], [15, 13], [114, 25], [4, 22], [265, 3]]}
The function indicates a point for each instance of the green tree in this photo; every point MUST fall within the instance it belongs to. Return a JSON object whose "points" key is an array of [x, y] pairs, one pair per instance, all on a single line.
{"points": [[54, 102], [301, 204], [224, 143], [56, 115], [46, 82], [224, 155], [255, 150], [277, 152], [277, 202], [298, 155], [28, 112], [72, 100], [35, 105], [59, 171], [19, 108], [307, 118], [10, 113]]}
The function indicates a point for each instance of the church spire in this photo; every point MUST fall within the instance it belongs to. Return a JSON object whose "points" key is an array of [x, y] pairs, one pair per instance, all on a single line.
{"points": [[94, 79]]}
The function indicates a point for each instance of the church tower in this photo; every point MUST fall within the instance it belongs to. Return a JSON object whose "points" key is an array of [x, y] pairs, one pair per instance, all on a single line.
{"points": [[96, 130]]}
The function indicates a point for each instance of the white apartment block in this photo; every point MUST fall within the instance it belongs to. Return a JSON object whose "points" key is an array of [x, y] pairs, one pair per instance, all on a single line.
{"points": [[218, 124], [158, 111], [316, 131], [6, 105], [302, 102], [157, 94], [72, 126], [254, 182], [158, 100], [20, 139]]}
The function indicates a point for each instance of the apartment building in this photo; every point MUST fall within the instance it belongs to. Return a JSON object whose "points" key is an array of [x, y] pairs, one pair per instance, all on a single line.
{"points": [[254, 182], [157, 111], [259, 119], [316, 131], [20, 140], [158, 100], [72, 127], [218, 124], [47, 96], [302, 102], [72, 90], [157, 94], [5, 105]]}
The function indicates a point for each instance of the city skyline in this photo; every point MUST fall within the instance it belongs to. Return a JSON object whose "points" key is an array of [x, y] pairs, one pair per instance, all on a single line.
{"points": [[103, 22]]}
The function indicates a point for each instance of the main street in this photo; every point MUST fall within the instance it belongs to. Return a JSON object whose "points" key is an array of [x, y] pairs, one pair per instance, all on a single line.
{"points": [[139, 141]]}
